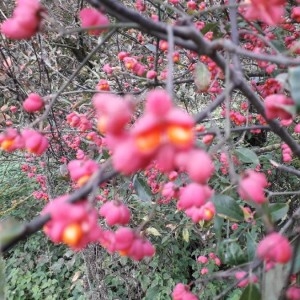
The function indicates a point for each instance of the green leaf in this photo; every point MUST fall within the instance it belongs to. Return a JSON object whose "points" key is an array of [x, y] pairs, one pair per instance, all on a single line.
{"points": [[246, 155], [278, 211], [227, 208], [218, 226], [165, 239], [236, 254], [235, 295], [57, 266], [145, 282], [214, 27], [251, 246], [231, 253], [279, 45], [142, 189], [251, 292], [294, 79], [152, 293]]}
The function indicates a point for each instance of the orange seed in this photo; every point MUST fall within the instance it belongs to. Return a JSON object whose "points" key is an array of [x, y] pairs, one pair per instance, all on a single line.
{"points": [[180, 135], [149, 141], [72, 234]]}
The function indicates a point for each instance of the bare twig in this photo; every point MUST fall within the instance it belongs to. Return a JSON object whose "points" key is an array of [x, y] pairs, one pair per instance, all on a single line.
{"points": [[65, 85], [285, 168]]}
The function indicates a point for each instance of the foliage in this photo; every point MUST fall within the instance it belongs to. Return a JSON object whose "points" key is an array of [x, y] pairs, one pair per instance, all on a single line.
{"points": [[37, 269]]}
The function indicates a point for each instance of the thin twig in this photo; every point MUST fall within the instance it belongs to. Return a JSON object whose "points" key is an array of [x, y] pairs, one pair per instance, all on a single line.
{"points": [[212, 106], [170, 87], [285, 168], [122, 25], [65, 85]]}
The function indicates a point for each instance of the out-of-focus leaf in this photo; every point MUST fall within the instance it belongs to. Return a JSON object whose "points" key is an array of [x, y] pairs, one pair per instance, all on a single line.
{"points": [[279, 45], [227, 208], [4, 108], [186, 235], [296, 261], [9, 229], [278, 211], [202, 77], [251, 246], [2, 277], [141, 188], [153, 231], [214, 27], [274, 281], [251, 292], [236, 254], [76, 276], [294, 79], [218, 225], [151, 47], [231, 253], [283, 79], [152, 293], [58, 265], [246, 155]]}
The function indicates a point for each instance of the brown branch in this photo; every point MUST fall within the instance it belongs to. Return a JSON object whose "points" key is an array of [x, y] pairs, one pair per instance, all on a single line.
{"points": [[190, 38]]}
